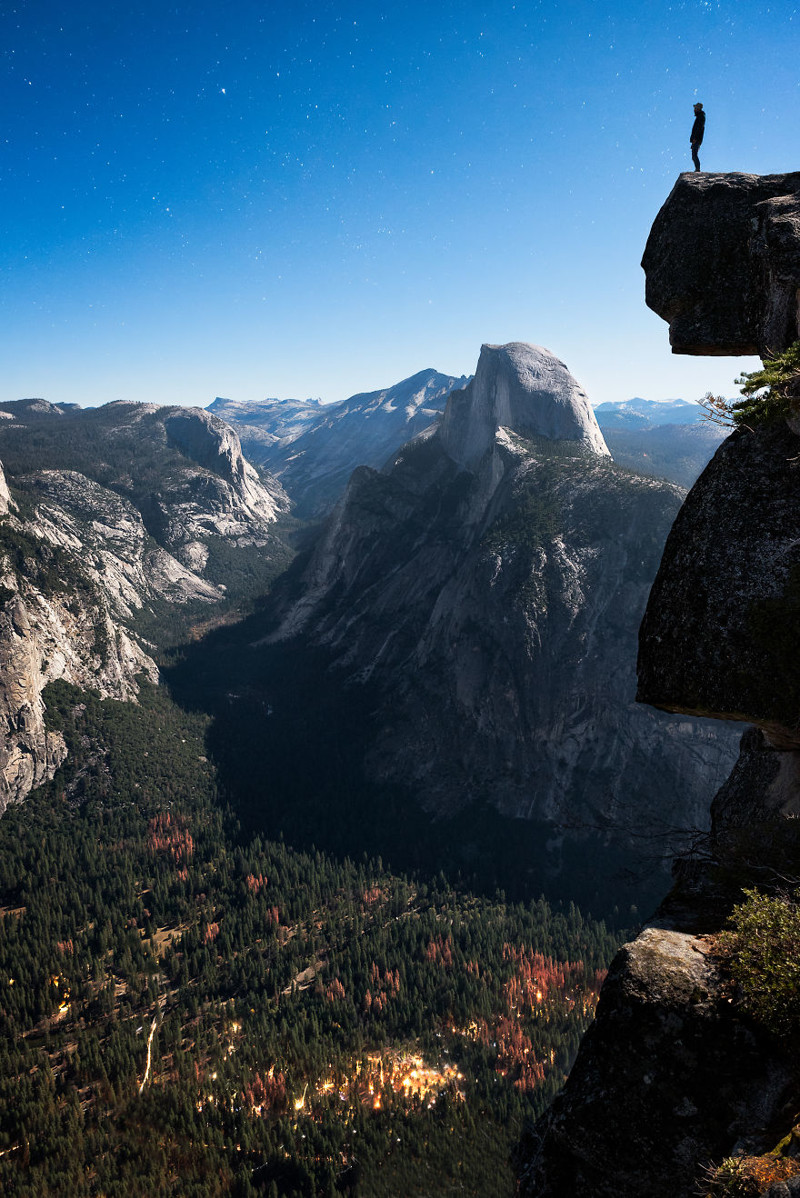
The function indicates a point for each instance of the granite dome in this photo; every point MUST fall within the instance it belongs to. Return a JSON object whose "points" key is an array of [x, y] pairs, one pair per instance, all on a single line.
{"points": [[526, 389]]}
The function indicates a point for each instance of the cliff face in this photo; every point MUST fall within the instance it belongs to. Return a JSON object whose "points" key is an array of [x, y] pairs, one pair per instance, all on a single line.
{"points": [[668, 1058], [182, 469], [523, 388], [721, 635], [122, 516], [488, 582], [229, 498], [722, 263], [667, 1079], [68, 588], [107, 534]]}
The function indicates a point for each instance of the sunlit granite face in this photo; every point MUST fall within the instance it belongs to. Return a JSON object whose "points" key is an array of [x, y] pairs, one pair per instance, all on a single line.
{"points": [[523, 388]]}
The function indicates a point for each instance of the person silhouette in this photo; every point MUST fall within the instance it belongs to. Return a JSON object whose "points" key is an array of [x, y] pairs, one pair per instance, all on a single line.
{"points": [[696, 136]]}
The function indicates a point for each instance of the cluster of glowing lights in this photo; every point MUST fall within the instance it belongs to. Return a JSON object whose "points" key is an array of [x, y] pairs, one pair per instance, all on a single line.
{"points": [[404, 1075], [59, 982]]}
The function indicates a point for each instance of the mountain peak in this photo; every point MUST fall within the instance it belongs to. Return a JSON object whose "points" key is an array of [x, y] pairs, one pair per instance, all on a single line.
{"points": [[526, 389], [31, 406]]}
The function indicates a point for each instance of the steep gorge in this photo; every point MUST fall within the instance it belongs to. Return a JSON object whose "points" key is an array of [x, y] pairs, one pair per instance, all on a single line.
{"points": [[313, 448]]}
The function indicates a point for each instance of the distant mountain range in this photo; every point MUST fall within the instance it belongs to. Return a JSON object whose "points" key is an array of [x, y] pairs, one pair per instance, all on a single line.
{"points": [[668, 439], [638, 413], [268, 422], [313, 449]]}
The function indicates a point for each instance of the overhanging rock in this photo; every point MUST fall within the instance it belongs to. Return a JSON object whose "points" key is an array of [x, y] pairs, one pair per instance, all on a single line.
{"points": [[723, 263]]}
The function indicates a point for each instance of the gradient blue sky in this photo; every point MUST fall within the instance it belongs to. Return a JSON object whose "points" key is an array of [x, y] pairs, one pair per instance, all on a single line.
{"points": [[311, 199]]}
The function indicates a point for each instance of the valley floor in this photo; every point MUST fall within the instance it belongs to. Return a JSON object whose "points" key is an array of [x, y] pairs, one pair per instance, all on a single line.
{"points": [[187, 1008]]}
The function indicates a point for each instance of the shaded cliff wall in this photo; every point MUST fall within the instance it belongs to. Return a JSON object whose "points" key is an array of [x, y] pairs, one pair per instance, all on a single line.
{"points": [[671, 1076], [722, 263], [488, 584]]}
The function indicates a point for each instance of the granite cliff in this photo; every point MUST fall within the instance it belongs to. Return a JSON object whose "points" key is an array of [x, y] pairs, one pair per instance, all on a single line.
{"points": [[487, 584], [120, 521], [181, 468], [673, 1076], [722, 263], [69, 588]]}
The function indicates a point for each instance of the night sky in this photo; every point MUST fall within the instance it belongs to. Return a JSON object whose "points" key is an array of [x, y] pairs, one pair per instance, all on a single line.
{"points": [[252, 199]]}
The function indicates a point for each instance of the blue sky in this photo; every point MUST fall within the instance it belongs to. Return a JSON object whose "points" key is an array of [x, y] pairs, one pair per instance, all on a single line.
{"points": [[312, 199]]}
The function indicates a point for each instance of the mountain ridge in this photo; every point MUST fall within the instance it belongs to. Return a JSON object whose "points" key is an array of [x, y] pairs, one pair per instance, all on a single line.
{"points": [[120, 522], [646, 413], [488, 605], [314, 458]]}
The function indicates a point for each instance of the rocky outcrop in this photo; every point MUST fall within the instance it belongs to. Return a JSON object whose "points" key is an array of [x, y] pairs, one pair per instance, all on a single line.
{"points": [[668, 1078], [668, 1057], [721, 635], [223, 498], [127, 515], [67, 588], [764, 787], [106, 533], [5, 494], [44, 638], [213, 445], [723, 263], [488, 582], [181, 468], [313, 449]]}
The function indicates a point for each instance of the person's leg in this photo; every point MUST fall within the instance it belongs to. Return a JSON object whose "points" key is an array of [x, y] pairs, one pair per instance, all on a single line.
{"points": [[695, 159]]}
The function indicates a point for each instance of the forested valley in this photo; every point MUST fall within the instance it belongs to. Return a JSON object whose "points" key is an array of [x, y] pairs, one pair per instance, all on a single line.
{"points": [[189, 1005]]}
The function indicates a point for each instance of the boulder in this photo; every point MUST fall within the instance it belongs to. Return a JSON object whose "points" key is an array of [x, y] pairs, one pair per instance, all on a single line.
{"points": [[668, 1077], [721, 634], [723, 263]]}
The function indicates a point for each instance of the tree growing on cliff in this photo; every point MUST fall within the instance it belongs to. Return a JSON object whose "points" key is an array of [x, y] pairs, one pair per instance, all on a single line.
{"points": [[762, 952], [771, 393]]}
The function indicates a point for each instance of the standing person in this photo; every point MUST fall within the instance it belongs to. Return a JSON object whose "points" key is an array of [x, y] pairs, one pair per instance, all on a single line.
{"points": [[696, 137]]}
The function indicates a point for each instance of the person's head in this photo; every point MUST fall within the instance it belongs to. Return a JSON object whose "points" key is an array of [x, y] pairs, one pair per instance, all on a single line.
{"points": [[698, 107]]}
